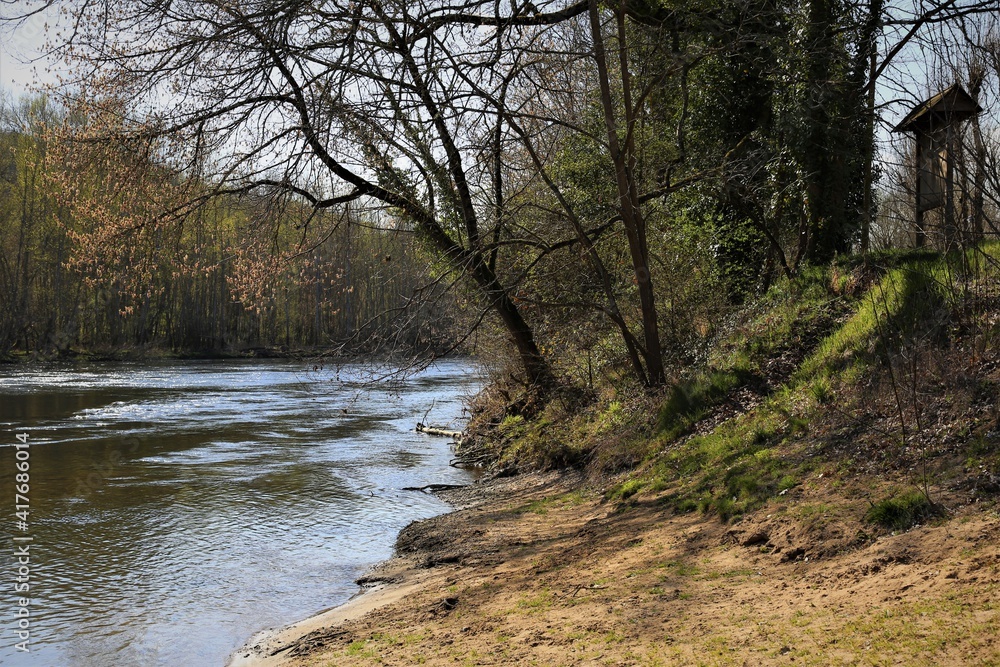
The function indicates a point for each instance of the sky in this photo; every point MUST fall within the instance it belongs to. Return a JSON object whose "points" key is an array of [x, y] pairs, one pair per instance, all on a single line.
{"points": [[19, 46]]}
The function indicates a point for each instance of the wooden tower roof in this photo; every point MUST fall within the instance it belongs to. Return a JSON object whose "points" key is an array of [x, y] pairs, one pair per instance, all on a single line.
{"points": [[952, 104]]}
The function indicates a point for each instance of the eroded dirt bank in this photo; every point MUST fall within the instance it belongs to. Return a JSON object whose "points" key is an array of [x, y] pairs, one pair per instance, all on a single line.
{"points": [[542, 573]]}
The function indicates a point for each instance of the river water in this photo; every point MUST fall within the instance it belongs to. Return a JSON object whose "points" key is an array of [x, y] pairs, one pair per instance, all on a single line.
{"points": [[177, 508]]}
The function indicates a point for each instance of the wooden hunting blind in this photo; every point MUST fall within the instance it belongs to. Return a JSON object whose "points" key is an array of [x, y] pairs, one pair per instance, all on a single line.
{"points": [[935, 124]]}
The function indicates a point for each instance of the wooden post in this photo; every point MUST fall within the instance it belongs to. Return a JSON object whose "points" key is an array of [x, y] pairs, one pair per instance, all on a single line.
{"points": [[919, 235], [950, 228]]}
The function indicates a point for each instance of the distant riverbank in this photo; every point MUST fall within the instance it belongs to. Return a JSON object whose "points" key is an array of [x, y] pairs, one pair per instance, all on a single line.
{"points": [[335, 354]]}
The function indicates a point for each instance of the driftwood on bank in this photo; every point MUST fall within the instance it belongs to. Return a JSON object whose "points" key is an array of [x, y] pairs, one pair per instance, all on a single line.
{"points": [[432, 488], [437, 430], [462, 461]]}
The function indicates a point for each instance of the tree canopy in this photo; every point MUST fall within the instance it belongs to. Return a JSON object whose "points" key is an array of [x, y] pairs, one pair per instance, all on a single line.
{"points": [[598, 177]]}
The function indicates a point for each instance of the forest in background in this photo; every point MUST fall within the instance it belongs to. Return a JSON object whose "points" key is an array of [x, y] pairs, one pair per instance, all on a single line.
{"points": [[184, 288], [591, 187]]}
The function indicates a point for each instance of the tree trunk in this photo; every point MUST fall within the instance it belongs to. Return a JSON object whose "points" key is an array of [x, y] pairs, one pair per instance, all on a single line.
{"points": [[623, 159]]}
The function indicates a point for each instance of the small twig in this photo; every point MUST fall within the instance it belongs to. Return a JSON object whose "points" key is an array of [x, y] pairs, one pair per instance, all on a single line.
{"points": [[424, 420]]}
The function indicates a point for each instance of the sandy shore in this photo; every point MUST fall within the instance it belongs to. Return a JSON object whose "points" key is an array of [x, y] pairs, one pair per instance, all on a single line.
{"points": [[543, 572], [275, 647]]}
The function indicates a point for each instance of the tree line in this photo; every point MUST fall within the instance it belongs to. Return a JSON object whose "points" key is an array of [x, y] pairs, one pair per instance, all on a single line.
{"points": [[600, 181], [84, 269]]}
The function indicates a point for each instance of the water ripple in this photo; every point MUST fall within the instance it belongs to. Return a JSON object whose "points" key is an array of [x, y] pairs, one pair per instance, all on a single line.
{"points": [[160, 489]]}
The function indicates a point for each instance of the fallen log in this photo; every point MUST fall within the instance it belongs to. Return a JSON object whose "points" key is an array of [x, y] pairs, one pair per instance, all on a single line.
{"points": [[467, 464], [437, 430]]}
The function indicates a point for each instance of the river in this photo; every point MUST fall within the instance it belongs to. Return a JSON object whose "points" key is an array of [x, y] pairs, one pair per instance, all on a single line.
{"points": [[176, 508]]}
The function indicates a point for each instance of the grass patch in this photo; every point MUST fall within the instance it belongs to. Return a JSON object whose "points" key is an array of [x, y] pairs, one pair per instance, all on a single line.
{"points": [[357, 649], [535, 507], [627, 489], [730, 471], [537, 603], [902, 511], [744, 462], [912, 301], [541, 506], [681, 568], [691, 400]]}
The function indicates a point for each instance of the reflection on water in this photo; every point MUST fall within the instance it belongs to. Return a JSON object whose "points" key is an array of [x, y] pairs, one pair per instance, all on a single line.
{"points": [[177, 508]]}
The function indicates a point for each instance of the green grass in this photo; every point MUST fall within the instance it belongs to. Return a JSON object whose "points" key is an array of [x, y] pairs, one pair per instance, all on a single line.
{"points": [[904, 305], [681, 568], [738, 467], [743, 463], [627, 489], [357, 649], [911, 302], [536, 604], [844, 322], [730, 471], [902, 511]]}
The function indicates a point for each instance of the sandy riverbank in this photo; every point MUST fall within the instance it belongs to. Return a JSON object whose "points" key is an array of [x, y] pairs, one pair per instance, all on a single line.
{"points": [[543, 572], [412, 569], [280, 646]]}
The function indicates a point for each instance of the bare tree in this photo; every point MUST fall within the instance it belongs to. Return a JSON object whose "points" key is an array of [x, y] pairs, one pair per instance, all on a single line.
{"points": [[327, 103]]}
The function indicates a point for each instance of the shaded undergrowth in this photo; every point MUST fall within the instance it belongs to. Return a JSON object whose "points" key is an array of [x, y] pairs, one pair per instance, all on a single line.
{"points": [[846, 343]]}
